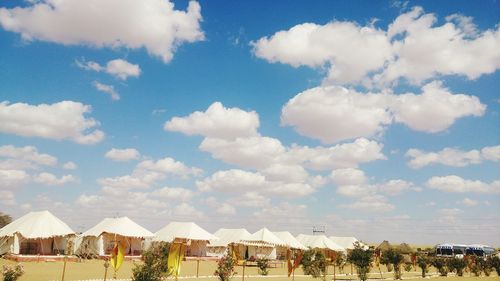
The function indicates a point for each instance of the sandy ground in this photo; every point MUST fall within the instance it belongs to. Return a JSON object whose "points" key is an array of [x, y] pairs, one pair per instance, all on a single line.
{"points": [[94, 269]]}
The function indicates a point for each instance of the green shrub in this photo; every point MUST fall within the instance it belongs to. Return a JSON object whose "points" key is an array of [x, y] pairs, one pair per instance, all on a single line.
{"points": [[362, 260], [408, 266], [225, 268], [457, 265], [440, 264], [423, 262], [314, 263], [263, 265], [155, 265], [12, 273], [340, 261], [495, 263], [394, 258]]}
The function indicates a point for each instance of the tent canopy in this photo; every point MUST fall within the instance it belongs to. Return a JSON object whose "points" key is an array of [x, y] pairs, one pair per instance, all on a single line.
{"points": [[183, 230], [37, 225], [121, 226], [228, 236], [384, 246], [319, 242], [289, 240], [346, 242], [266, 237]]}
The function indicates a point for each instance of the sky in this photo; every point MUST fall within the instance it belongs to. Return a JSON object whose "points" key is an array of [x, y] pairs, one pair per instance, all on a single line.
{"points": [[373, 119]]}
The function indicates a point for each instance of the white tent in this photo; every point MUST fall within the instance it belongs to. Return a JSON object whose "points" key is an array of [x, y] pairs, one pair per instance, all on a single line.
{"points": [[290, 241], [263, 244], [346, 242], [217, 248], [101, 238], [319, 242], [35, 233], [196, 237]]}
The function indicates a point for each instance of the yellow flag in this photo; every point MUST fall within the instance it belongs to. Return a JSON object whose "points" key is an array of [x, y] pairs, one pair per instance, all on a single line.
{"points": [[175, 256], [117, 256]]}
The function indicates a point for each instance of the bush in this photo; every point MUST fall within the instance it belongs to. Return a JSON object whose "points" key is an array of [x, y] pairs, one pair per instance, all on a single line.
{"points": [[12, 273], [394, 258], [340, 261], [225, 267], [155, 265], [361, 259], [263, 265], [314, 263], [495, 263], [423, 262], [484, 266], [457, 265], [408, 266], [440, 264]]}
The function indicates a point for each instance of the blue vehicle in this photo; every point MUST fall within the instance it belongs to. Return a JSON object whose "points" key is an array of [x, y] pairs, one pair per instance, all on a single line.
{"points": [[480, 250]]}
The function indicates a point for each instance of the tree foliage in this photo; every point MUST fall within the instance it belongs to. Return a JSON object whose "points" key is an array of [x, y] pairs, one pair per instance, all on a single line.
{"points": [[225, 267], [5, 219], [457, 265], [263, 265], [314, 263], [440, 264], [395, 258], [423, 262], [155, 265], [361, 259]]}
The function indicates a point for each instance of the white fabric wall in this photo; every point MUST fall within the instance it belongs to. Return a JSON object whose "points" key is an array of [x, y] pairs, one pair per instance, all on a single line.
{"points": [[262, 252], [6, 245], [16, 246], [197, 249]]}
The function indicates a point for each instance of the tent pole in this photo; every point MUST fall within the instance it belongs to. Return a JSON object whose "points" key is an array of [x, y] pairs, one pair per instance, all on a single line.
{"points": [[64, 268], [197, 267], [334, 279]]}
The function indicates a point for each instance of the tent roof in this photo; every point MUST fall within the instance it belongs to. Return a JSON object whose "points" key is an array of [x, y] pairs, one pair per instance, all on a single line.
{"points": [[289, 240], [37, 225], [265, 236], [183, 230], [228, 236], [121, 226], [405, 248], [346, 242], [384, 246], [319, 241]]}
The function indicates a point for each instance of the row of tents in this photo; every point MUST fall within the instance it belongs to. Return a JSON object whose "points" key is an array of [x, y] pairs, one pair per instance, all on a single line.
{"points": [[42, 233]]}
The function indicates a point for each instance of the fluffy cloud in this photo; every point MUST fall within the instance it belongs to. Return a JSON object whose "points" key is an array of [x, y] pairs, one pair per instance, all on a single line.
{"points": [[62, 120], [107, 89], [226, 209], [50, 179], [151, 24], [13, 178], [455, 183], [216, 122], [7, 198], [148, 173], [69, 166], [26, 157], [119, 68], [351, 114], [412, 47], [122, 155], [174, 193], [469, 202], [452, 157], [374, 203], [187, 211]]}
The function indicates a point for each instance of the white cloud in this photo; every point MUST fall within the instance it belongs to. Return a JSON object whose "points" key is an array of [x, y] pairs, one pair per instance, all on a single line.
{"points": [[469, 202], [62, 120], [185, 210], [374, 203], [176, 193], [226, 209], [455, 183], [216, 122], [151, 24], [69, 166], [452, 157], [348, 176], [413, 47], [148, 173], [119, 68], [108, 89], [351, 114], [283, 211], [7, 198], [122, 155], [50, 179], [450, 212], [24, 157], [13, 178]]}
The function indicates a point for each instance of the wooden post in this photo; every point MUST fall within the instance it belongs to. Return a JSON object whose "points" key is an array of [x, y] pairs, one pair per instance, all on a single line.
{"points": [[197, 267], [64, 268], [106, 265], [243, 275], [334, 272], [351, 269], [293, 273]]}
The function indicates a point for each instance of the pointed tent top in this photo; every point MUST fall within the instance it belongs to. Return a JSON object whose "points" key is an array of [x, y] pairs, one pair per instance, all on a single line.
{"points": [[346, 242], [121, 226], [265, 236], [183, 230], [228, 236], [319, 242], [384, 246], [289, 240], [37, 225]]}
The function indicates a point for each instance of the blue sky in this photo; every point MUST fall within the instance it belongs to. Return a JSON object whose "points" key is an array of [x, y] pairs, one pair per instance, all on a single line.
{"points": [[375, 119]]}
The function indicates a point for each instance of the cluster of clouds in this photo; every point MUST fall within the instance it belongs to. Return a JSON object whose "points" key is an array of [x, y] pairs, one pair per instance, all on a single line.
{"points": [[413, 47], [452, 157]]}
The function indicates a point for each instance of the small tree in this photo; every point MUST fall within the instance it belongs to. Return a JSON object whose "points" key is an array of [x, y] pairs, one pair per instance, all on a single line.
{"points": [[340, 261], [495, 263], [457, 265], [361, 259], [12, 273], [314, 263], [5, 219], [484, 266], [395, 258], [408, 266], [440, 264], [423, 262], [263, 265], [225, 267], [155, 265]]}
